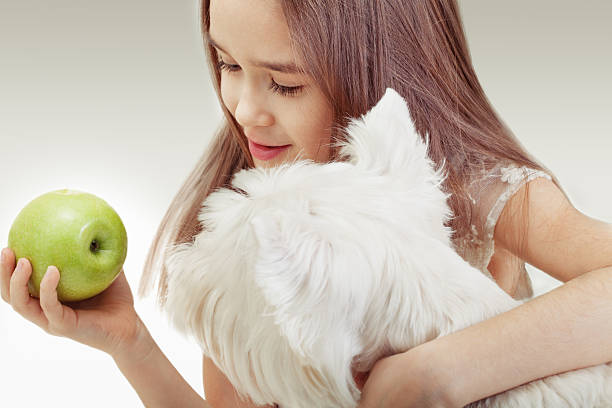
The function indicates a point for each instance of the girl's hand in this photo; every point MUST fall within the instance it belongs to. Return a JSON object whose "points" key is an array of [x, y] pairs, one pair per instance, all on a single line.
{"points": [[107, 322], [402, 381]]}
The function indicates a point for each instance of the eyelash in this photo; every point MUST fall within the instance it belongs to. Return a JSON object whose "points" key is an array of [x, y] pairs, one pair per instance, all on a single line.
{"points": [[283, 90]]}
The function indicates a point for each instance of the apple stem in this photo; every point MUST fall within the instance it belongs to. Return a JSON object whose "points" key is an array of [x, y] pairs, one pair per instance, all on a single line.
{"points": [[94, 246]]}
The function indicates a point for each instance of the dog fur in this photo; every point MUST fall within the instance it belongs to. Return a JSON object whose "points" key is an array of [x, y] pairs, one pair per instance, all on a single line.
{"points": [[306, 273]]}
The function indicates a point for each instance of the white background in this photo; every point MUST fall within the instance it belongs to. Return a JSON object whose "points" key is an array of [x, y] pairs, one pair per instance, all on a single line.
{"points": [[114, 98]]}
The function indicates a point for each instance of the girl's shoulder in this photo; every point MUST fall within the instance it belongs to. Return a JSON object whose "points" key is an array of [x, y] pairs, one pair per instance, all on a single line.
{"points": [[489, 191]]}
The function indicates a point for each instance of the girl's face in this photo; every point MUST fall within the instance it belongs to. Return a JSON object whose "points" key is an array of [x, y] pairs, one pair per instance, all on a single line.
{"points": [[273, 105]]}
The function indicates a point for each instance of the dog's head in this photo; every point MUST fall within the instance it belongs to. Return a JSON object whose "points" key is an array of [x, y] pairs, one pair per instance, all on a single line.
{"points": [[293, 263]]}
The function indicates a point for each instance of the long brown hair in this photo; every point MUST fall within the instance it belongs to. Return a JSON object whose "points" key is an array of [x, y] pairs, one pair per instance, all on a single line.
{"points": [[354, 51]]}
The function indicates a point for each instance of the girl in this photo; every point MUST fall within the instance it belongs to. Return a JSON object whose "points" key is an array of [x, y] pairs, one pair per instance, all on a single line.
{"points": [[288, 74]]}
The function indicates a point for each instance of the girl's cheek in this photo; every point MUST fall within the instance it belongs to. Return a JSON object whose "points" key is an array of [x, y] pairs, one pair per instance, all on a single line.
{"points": [[226, 97], [230, 89]]}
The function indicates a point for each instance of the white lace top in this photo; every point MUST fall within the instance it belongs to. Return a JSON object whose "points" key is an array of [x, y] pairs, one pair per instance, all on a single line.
{"points": [[489, 194]]}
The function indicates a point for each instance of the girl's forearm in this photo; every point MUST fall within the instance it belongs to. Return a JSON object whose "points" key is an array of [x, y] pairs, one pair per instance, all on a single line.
{"points": [[565, 329], [154, 378]]}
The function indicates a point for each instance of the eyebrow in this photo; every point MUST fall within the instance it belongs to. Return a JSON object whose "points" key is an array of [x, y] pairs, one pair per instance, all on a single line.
{"points": [[287, 68]]}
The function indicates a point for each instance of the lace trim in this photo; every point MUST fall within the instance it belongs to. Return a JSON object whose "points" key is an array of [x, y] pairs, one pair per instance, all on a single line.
{"points": [[515, 177]]}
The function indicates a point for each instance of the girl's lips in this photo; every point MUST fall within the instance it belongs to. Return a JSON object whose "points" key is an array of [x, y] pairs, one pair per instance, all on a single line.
{"points": [[265, 152]]}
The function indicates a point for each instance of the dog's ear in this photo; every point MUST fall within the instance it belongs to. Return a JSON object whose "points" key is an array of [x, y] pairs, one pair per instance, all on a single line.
{"points": [[385, 139], [305, 281]]}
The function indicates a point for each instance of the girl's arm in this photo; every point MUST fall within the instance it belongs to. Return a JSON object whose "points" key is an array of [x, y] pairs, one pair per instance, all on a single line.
{"points": [[219, 391], [153, 377], [567, 328], [107, 322]]}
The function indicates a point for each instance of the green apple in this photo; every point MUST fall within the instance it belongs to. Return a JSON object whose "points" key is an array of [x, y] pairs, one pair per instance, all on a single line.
{"points": [[78, 233]]}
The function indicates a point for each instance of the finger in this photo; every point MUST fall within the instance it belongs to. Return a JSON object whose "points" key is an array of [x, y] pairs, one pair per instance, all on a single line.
{"points": [[55, 312], [7, 266], [19, 295]]}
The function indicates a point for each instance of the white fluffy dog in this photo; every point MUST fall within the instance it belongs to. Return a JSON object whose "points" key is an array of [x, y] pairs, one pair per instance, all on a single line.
{"points": [[307, 271]]}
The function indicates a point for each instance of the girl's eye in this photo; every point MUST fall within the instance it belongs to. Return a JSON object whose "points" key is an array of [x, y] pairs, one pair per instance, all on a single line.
{"points": [[283, 90]]}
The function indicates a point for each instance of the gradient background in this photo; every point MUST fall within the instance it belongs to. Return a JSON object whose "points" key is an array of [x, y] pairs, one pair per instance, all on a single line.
{"points": [[114, 98]]}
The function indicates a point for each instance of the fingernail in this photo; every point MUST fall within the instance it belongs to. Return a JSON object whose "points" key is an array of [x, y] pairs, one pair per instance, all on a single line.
{"points": [[20, 263]]}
